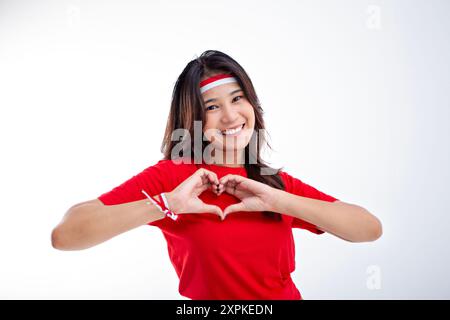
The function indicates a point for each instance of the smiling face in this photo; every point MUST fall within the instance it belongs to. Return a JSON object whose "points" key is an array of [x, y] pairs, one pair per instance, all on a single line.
{"points": [[229, 117]]}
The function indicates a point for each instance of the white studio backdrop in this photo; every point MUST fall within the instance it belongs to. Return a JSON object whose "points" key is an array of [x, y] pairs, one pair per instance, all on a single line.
{"points": [[356, 102]]}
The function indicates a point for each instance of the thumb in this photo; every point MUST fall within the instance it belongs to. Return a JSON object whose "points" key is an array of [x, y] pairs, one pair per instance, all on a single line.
{"points": [[213, 209], [233, 208]]}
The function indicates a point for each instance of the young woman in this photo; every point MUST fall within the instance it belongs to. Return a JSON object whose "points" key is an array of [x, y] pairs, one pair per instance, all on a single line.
{"points": [[227, 216]]}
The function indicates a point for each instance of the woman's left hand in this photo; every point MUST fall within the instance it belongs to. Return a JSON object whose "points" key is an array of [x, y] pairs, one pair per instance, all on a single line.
{"points": [[254, 195]]}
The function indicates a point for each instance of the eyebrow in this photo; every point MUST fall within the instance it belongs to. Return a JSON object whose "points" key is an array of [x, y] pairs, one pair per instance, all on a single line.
{"points": [[231, 93]]}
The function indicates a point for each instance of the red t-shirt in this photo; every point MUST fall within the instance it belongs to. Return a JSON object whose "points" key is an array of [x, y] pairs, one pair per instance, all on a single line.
{"points": [[246, 256]]}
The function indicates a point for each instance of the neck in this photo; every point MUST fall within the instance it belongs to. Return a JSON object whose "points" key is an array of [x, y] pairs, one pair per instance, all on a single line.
{"points": [[228, 158]]}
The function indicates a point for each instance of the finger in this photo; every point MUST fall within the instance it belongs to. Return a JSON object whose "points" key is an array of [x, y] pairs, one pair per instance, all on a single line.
{"points": [[211, 176], [215, 189], [208, 208], [231, 189], [220, 188], [231, 178], [203, 187], [207, 186], [233, 208], [205, 179], [199, 181], [231, 185], [213, 181]]}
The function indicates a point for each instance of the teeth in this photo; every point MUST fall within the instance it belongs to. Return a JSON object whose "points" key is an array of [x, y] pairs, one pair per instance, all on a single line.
{"points": [[232, 131]]}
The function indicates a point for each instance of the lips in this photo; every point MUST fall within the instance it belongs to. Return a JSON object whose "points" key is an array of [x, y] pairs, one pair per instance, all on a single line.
{"points": [[232, 130]]}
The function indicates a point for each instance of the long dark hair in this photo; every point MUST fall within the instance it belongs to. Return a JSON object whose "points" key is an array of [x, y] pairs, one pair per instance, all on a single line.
{"points": [[187, 106]]}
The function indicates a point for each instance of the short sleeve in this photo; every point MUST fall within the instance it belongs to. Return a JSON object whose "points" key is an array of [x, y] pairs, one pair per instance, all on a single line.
{"points": [[152, 180], [300, 188]]}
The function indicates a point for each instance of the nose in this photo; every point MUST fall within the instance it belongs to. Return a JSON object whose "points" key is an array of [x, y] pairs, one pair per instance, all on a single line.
{"points": [[229, 114]]}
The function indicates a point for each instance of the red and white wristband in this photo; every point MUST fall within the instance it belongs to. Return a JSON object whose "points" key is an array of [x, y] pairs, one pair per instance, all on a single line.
{"points": [[162, 205]]}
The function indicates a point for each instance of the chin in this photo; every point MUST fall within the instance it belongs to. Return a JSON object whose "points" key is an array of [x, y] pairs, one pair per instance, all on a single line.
{"points": [[240, 146]]}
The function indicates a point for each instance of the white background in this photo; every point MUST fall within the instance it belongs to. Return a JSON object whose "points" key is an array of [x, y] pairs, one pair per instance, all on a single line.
{"points": [[356, 102]]}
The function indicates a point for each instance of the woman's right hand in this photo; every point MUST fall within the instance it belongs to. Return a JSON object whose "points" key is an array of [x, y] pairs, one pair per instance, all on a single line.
{"points": [[184, 198]]}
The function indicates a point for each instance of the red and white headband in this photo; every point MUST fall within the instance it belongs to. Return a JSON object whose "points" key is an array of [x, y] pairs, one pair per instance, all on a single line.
{"points": [[215, 81]]}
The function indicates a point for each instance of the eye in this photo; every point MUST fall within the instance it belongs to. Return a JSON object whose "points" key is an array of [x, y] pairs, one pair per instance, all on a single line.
{"points": [[212, 107], [237, 97]]}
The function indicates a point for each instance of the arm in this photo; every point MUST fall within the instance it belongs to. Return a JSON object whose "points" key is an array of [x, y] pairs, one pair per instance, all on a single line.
{"points": [[90, 223], [344, 220]]}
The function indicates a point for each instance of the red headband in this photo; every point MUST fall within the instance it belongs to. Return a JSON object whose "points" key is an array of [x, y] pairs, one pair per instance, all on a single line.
{"points": [[215, 81]]}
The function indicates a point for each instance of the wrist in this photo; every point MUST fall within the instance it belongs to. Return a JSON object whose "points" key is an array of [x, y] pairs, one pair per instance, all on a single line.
{"points": [[277, 201], [150, 211], [161, 203], [173, 202]]}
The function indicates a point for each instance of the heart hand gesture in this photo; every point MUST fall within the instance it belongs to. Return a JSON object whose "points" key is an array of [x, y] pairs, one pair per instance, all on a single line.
{"points": [[254, 195], [184, 198]]}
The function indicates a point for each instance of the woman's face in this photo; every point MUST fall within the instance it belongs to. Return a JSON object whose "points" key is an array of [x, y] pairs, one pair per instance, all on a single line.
{"points": [[230, 118]]}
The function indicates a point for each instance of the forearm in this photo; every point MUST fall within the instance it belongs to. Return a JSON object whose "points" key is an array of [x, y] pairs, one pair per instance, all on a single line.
{"points": [[87, 225], [347, 221]]}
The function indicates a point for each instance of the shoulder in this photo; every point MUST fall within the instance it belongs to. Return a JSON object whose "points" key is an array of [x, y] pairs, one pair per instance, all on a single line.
{"points": [[288, 179], [294, 185]]}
